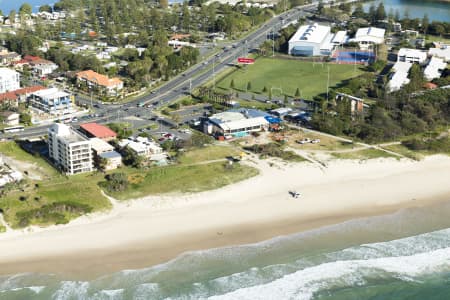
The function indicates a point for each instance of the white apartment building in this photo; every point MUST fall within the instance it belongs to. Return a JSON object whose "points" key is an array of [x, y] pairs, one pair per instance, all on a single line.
{"points": [[52, 101], [411, 55], [71, 151], [9, 80], [145, 147], [366, 37]]}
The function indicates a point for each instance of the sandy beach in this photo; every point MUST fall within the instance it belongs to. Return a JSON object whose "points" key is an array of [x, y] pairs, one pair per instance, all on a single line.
{"points": [[152, 230]]}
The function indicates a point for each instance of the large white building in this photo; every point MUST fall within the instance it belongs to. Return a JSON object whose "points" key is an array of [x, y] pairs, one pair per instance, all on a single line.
{"points": [[366, 37], [400, 76], [434, 68], [442, 52], [311, 40], [52, 101], [411, 55], [71, 151], [9, 80], [234, 124]]}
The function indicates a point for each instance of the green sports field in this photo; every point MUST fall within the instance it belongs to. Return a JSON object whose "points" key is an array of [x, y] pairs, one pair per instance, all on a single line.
{"points": [[284, 76]]}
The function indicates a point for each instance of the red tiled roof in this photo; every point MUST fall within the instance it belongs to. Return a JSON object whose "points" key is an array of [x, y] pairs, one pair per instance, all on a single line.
{"points": [[98, 130], [13, 95], [99, 79]]}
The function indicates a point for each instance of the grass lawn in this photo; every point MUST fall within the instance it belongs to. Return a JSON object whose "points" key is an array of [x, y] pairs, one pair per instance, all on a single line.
{"points": [[183, 178], [211, 152], [363, 154], [79, 189], [289, 75], [256, 104]]}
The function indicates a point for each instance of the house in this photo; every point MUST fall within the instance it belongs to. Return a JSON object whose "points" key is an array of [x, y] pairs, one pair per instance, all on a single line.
{"points": [[234, 124], [53, 101], [411, 55], [102, 149], [95, 130], [113, 160], [39, 66], [13, 98], [145, 147], [9, 118], [109, 86], [9, 80], [71, 151], [7, 58], [357, 105], [366, 37], [311, 40]]}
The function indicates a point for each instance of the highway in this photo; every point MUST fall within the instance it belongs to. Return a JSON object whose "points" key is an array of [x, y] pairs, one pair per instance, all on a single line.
{"points": [[194, 77]]}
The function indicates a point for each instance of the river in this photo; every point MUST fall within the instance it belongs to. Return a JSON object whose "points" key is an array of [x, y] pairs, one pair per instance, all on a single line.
{"points": [[436, 10]]}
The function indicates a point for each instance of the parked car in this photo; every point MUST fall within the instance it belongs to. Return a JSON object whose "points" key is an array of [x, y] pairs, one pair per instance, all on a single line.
{"points": [[303, 141]]}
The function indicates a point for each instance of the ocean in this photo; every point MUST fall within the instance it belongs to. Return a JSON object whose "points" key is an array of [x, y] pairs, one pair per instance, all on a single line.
{"points": [[404, 255]]}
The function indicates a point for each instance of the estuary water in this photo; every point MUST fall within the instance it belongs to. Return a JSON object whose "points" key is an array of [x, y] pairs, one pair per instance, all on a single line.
{"points": [[435, 9], [405, 255]]}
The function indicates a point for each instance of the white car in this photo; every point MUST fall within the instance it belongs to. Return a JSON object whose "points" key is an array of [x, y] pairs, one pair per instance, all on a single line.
{"points": [[304, 141]]}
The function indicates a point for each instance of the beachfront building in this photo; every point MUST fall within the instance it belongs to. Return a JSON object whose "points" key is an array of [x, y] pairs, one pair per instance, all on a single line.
{"points": [[52, 101], [234, 124], [95, 130], [103, 150], [434, 68], [9, 80], [144, 147], [71, 151], [311, 40], [400, 76], [366, 37], [411, 55], [99, 82]]}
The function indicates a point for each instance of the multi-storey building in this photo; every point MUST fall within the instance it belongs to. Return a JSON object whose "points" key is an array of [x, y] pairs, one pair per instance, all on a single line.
{"points": [[9, 80], [71, 151], [52, 101]]}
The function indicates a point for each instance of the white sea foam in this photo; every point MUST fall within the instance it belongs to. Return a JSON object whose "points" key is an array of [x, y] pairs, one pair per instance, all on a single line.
{"points": [[304, 283], [72, 290]]}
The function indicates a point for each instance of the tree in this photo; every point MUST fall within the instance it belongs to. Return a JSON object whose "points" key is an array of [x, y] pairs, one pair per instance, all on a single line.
{"points": [[425, 23], [25, 118], [232, 84], [45, 8], [12, 16], [297, 93], [117, 182], [25, 9], [381, 12], [249, 86]]}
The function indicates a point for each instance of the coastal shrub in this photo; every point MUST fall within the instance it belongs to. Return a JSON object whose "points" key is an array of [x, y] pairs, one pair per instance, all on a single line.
{"points": [[51, 213], [274, 150], [435, 145], [115, 182]]}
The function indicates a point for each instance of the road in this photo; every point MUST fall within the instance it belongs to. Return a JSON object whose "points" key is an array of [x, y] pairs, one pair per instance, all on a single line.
{"points": [[194, 77]]}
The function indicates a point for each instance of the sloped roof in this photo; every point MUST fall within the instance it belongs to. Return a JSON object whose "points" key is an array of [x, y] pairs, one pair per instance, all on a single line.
{"points": [[98, 130], [99, 79]]}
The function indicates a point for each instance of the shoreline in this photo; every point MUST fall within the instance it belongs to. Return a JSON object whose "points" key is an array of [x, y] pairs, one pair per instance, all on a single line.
{"points": [[154, 230]]}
